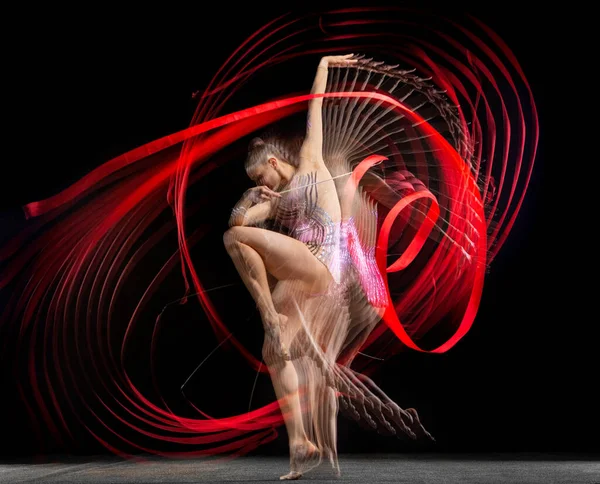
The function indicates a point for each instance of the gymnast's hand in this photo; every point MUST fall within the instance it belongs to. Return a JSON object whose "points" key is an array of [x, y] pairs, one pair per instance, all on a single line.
{"points": [[260, 194], [338, 60]]}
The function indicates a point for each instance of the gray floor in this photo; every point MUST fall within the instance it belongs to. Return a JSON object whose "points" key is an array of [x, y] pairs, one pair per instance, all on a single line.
{"points": [[371, 469]]}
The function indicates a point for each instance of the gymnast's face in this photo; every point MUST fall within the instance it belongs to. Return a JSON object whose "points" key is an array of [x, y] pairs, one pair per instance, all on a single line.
{"points": [[267, 173]]}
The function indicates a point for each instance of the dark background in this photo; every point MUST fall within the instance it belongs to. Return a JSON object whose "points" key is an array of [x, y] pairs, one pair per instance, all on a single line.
{"points": [[87, 86]]}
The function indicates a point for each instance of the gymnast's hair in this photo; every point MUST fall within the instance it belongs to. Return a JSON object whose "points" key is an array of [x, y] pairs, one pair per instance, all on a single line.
{"points": [[285, 149]]}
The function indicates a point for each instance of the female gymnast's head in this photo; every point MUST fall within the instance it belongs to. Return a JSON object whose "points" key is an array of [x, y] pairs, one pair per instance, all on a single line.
{"points": [[270, 163]]}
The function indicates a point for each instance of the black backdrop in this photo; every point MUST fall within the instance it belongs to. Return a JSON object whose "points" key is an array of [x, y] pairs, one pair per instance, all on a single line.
{"points": [[86, 86]]}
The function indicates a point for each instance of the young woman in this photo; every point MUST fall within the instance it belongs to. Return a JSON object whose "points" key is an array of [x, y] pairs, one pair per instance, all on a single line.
{"points": [[305, 315]]}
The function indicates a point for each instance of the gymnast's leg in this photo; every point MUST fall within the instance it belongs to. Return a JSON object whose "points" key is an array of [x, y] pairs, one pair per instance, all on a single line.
{"points": [[257, 253]]}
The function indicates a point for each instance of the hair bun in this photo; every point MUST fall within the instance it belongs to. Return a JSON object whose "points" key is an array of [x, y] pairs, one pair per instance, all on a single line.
{"points": [[255, 143]]}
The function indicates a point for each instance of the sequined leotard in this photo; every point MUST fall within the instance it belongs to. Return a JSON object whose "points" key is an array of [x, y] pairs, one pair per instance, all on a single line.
{"points": [[298, 210]]}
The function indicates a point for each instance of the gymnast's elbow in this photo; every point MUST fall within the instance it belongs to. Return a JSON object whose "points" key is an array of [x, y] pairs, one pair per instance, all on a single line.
{"points": [[238, 221]]}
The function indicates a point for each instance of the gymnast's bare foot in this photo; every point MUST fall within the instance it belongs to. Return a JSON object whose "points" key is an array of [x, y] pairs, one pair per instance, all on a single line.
{"points": [[291, 476], [283, 320], [274, 326], [334, 464], [303, 456], [417, 426]]}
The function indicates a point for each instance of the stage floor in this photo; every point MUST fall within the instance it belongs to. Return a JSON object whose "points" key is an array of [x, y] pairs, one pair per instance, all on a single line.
{"points": [[371, 469]]}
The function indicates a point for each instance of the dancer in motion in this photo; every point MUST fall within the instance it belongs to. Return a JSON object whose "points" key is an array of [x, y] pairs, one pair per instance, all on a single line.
{"points": [[306, 317], [368, 237]]}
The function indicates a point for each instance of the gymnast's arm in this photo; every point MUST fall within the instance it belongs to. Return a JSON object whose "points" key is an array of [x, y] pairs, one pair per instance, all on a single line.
{"points": [[312, 147], [250, 210], [254, 215]]}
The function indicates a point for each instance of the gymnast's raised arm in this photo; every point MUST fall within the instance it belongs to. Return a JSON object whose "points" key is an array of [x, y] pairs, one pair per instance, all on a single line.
{"points": [[312, 147]]}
